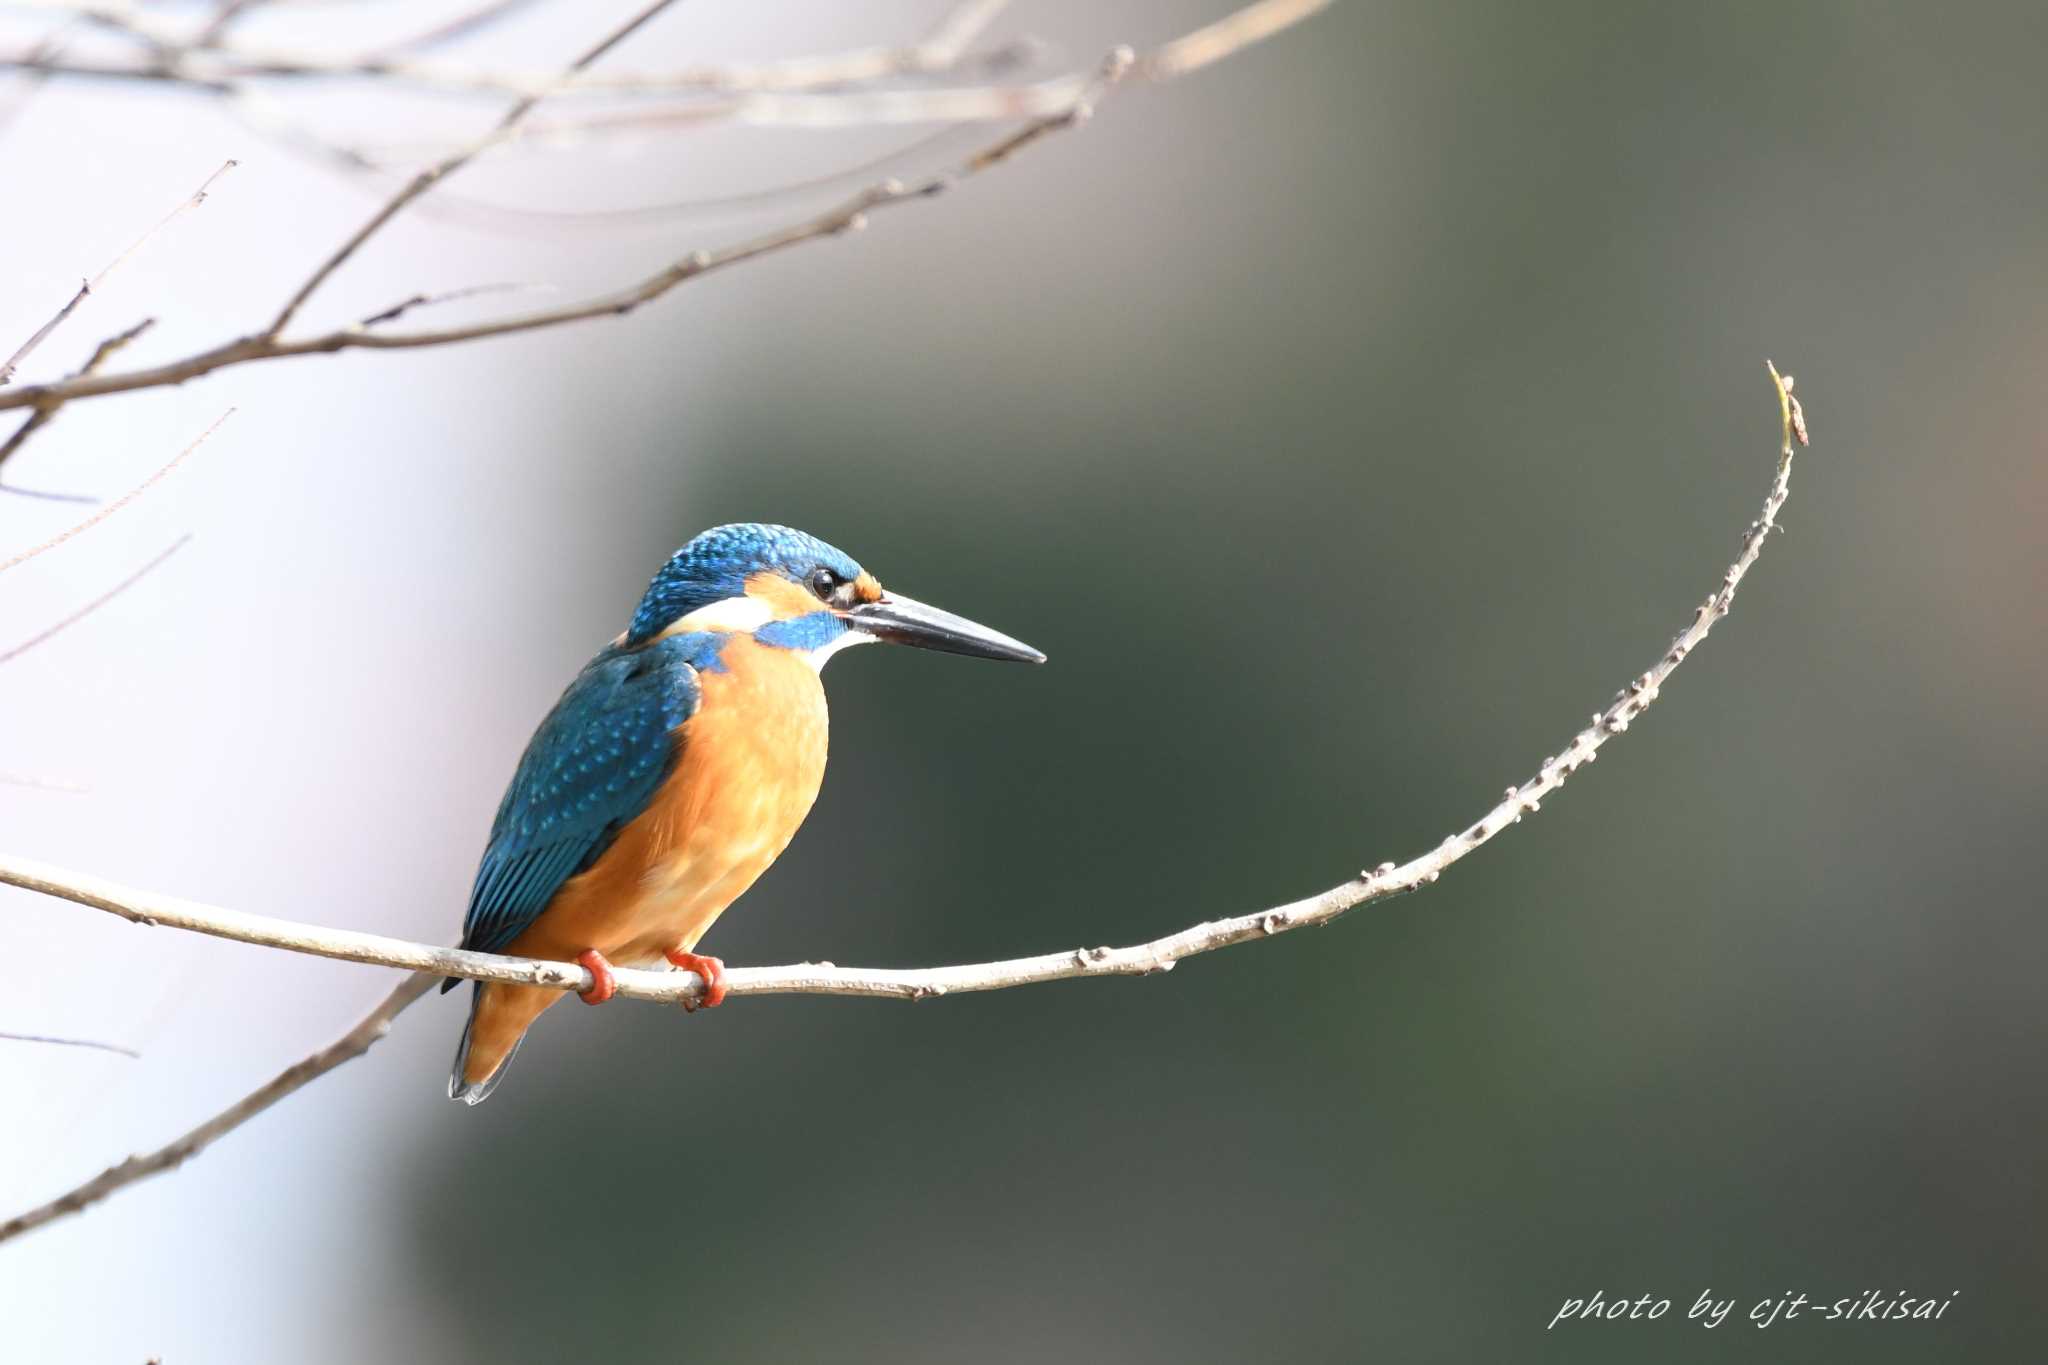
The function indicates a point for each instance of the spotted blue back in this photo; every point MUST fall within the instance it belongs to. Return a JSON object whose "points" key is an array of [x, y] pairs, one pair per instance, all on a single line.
{"points": [[593, 766]]}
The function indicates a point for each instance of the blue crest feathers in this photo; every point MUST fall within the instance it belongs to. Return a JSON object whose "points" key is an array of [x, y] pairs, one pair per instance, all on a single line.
{"points": [[718, 563]]}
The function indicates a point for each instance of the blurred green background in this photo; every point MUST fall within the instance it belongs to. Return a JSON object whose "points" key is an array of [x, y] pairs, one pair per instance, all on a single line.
{"points": [[1346, 423]]}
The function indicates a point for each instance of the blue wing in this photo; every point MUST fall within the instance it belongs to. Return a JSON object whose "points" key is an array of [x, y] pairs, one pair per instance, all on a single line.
{"points": [[594, 764]]}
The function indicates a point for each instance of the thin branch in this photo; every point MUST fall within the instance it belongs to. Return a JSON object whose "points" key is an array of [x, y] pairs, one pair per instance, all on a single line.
{"points": [[43, 415], [268, 117], [210, 63], [851, 107], [86, 287], [268, 345], [14, 361], [1231, 34], [404, 306], [354, 1043], [46, 494], [130, 496], [492, 216], [69, 1042], [858, 108], [947, 42], [666, 987], [440, 170], [796, 104], [10, 655], [942, 51], [850, 216]]}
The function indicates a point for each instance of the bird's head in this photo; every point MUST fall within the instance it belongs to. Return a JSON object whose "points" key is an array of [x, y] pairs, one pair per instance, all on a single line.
{"points": [[792, 591]]}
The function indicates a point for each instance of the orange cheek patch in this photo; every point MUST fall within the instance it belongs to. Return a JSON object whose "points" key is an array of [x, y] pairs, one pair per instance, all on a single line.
{"points": [[784, 598], [867, 588]]}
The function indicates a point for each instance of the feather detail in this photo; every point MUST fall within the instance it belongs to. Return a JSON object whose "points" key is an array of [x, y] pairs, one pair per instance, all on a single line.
{"points": [[743, 770]]}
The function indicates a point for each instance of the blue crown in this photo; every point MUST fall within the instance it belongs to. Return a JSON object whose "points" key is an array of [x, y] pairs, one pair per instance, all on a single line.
{"points": [[718, 563]]}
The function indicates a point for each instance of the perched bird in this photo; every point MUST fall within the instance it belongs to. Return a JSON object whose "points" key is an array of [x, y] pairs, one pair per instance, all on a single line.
{"points": [[675, 769]]}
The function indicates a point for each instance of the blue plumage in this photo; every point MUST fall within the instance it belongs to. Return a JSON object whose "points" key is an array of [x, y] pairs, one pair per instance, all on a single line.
{"points": [[593, 765], [717, 564], [814, 631]]}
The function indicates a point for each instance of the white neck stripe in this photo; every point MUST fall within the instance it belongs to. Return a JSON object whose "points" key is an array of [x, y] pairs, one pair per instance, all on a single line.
{"points": [[729, 614]]}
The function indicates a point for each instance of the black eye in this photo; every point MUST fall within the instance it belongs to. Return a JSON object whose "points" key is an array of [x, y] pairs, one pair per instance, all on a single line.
{"points": [[824, 583]]}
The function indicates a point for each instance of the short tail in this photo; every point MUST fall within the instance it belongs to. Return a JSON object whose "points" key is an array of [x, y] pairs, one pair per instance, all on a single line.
{"points": [[458, 1088]]}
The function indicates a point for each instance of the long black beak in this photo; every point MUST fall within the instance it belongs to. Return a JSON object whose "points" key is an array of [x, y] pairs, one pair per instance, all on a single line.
{"points": [[901, 621]]}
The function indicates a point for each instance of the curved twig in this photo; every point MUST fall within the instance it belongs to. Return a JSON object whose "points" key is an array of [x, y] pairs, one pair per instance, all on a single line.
{"points": [[14, 652], [117, 504], [822, 978]]}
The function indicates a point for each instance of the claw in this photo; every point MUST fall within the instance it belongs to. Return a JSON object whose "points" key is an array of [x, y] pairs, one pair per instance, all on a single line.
{"points": [[594, 962], [712, 969]]}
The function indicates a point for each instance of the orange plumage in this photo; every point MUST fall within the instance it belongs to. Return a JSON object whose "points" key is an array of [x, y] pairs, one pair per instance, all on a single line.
{"points": [[752, 761]]}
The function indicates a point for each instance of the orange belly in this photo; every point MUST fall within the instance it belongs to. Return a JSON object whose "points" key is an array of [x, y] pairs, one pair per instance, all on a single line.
{"points": [[752, 759]]}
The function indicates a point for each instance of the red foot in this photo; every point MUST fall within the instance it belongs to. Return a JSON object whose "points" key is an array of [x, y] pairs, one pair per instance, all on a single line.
{"points": [[594, 961], [712, 969]]}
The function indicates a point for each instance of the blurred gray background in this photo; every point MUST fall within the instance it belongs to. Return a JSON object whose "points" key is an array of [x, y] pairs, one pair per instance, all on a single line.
{"points": [[1346, 422]]}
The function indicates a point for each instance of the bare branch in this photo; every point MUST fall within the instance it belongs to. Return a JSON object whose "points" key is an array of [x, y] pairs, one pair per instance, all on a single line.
{"points": [[492, 216], [46, 494], [42, 416], [10, 655], [856, 108], [948, 40], [211, 63], [823, 978], [69, 1042], [850, 216], [791, 93], [269, 118], [354, 1043], [86, 287], [269, 345], [727, 93], [130, 496], [434, 174], [1231, 34], [401, 308]]}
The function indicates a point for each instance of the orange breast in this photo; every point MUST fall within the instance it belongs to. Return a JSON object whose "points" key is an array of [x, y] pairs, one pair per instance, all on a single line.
{"points": [[752, 760]]}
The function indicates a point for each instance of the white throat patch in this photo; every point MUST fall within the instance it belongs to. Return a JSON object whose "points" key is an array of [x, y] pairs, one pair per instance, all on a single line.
{"points": [[846, 640], [744, 615]]}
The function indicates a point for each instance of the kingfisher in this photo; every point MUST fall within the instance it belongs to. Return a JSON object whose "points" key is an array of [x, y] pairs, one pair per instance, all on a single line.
{"points": [[675, 769]]}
